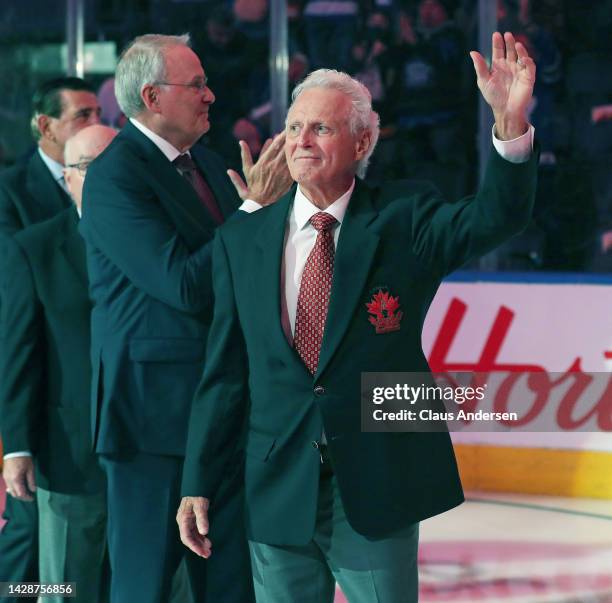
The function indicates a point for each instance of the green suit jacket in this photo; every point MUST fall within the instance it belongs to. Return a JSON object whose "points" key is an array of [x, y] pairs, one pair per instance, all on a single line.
{"points": [[149, 250], [399, 236], [45, 376]]}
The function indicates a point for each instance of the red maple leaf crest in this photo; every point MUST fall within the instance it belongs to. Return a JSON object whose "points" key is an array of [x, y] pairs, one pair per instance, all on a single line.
{"points": [[384, 307]]}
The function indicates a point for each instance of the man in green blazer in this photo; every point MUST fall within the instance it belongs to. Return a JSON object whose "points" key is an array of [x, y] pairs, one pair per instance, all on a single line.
{"points": [[292, 335], [152, 202], [45, 378], [32, 191]]}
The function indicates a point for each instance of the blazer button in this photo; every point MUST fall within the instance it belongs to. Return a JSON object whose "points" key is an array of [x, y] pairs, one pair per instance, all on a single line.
{"points": [[319, 390]]}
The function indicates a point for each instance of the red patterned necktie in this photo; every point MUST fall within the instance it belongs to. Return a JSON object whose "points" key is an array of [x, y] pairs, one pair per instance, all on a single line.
{"points": [[189, 170], [315, 289]]}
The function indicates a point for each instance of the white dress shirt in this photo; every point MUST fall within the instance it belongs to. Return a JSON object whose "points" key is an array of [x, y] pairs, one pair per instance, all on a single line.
{"points": [[301, 234], [171, 152], [56, 169]]}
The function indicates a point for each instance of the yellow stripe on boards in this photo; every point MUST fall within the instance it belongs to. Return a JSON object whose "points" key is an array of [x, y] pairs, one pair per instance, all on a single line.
{"points": [[570, 473]]}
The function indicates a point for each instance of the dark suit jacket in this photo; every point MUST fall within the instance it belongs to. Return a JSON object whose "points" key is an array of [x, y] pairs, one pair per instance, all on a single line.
{"points": [[148, 248], [29, 194], [45, 378], [400, 236]]}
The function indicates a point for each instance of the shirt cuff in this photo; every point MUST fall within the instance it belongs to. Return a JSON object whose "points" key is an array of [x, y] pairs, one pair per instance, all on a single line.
{"points": [[517, 150], [12, 455], [249, 206]]}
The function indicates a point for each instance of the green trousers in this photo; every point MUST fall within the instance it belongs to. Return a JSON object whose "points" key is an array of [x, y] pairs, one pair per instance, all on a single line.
{"points": [[368, 571], [72, 537]]}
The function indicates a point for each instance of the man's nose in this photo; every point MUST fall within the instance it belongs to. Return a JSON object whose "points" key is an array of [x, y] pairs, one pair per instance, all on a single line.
{"points": [[209, 96], [304, 138]]}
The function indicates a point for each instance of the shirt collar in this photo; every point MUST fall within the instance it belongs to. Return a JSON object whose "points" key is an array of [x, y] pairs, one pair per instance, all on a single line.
{"points": [[56, 168], [162, 144], [304, 209]]}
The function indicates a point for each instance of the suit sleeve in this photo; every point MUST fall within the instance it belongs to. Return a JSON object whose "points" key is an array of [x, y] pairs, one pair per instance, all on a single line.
{"points": [[447, 235], [22, 358], [123, 219], [219, 408]]}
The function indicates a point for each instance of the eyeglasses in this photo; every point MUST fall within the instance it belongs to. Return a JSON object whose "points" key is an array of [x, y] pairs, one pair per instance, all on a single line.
{"points": [[199, 85], [81, 166]]}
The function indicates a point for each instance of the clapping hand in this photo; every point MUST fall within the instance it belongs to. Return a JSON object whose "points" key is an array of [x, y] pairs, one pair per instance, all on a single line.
{"points": [[269, 178]]}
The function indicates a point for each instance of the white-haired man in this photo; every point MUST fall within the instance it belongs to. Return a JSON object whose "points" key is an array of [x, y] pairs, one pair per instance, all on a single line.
{"points": [[292, 334], [151, 205]]}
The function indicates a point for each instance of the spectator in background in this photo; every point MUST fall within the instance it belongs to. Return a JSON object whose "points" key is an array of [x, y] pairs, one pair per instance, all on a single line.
{"points": [[111, 112], [331, 28], [428, 92], [372, 57], [234, 63], [541, 45]]}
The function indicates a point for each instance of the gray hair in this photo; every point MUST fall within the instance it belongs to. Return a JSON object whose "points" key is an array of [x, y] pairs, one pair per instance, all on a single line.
{"points": [[362, 116], [141, 63]]}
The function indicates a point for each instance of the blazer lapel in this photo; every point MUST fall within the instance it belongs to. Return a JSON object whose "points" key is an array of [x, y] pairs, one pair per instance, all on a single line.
{"points": [[270, 242], [355, 251], [219, 183], [180, 199], [46, 193]]}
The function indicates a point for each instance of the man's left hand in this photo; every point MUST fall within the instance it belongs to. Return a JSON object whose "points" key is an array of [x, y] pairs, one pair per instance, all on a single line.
{"points": [[269, 178], [508, 86]]}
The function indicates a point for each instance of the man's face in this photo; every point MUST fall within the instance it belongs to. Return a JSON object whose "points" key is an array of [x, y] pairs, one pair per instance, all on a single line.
{"points": [[184, 109], [79, 110], [321, 151], [432, 14], [74, 176], [80, 152]]}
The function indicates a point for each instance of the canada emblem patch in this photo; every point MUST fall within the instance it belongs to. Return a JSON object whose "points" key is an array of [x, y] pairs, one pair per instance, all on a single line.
{"points": [[384, 309]]}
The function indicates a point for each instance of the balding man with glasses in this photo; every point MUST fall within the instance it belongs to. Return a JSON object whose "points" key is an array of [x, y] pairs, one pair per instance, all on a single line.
{"points": [[32, 191], [44, 384], [152, 203]]}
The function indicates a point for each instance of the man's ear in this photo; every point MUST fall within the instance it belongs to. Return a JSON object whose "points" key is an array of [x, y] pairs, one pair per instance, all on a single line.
{"points": [[67, 176], [363, 144], [43, 123], [150, 97]]}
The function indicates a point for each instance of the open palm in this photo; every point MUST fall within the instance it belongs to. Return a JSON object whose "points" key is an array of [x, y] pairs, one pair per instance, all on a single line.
{"points": [[508, 86]]}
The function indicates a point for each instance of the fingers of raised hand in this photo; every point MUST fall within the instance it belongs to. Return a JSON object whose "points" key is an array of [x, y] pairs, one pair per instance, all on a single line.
{"points": [[480, 65], [498, 46], [524, 60], [510, 42], [238, 182], [265, 146], [276, 147], [245, 156]]}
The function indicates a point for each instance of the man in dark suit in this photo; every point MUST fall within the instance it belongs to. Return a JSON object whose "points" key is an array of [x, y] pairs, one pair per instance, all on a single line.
{"points": [[31, 192], [45, 378], [152, 202], [35, 190], [291, 337]]}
